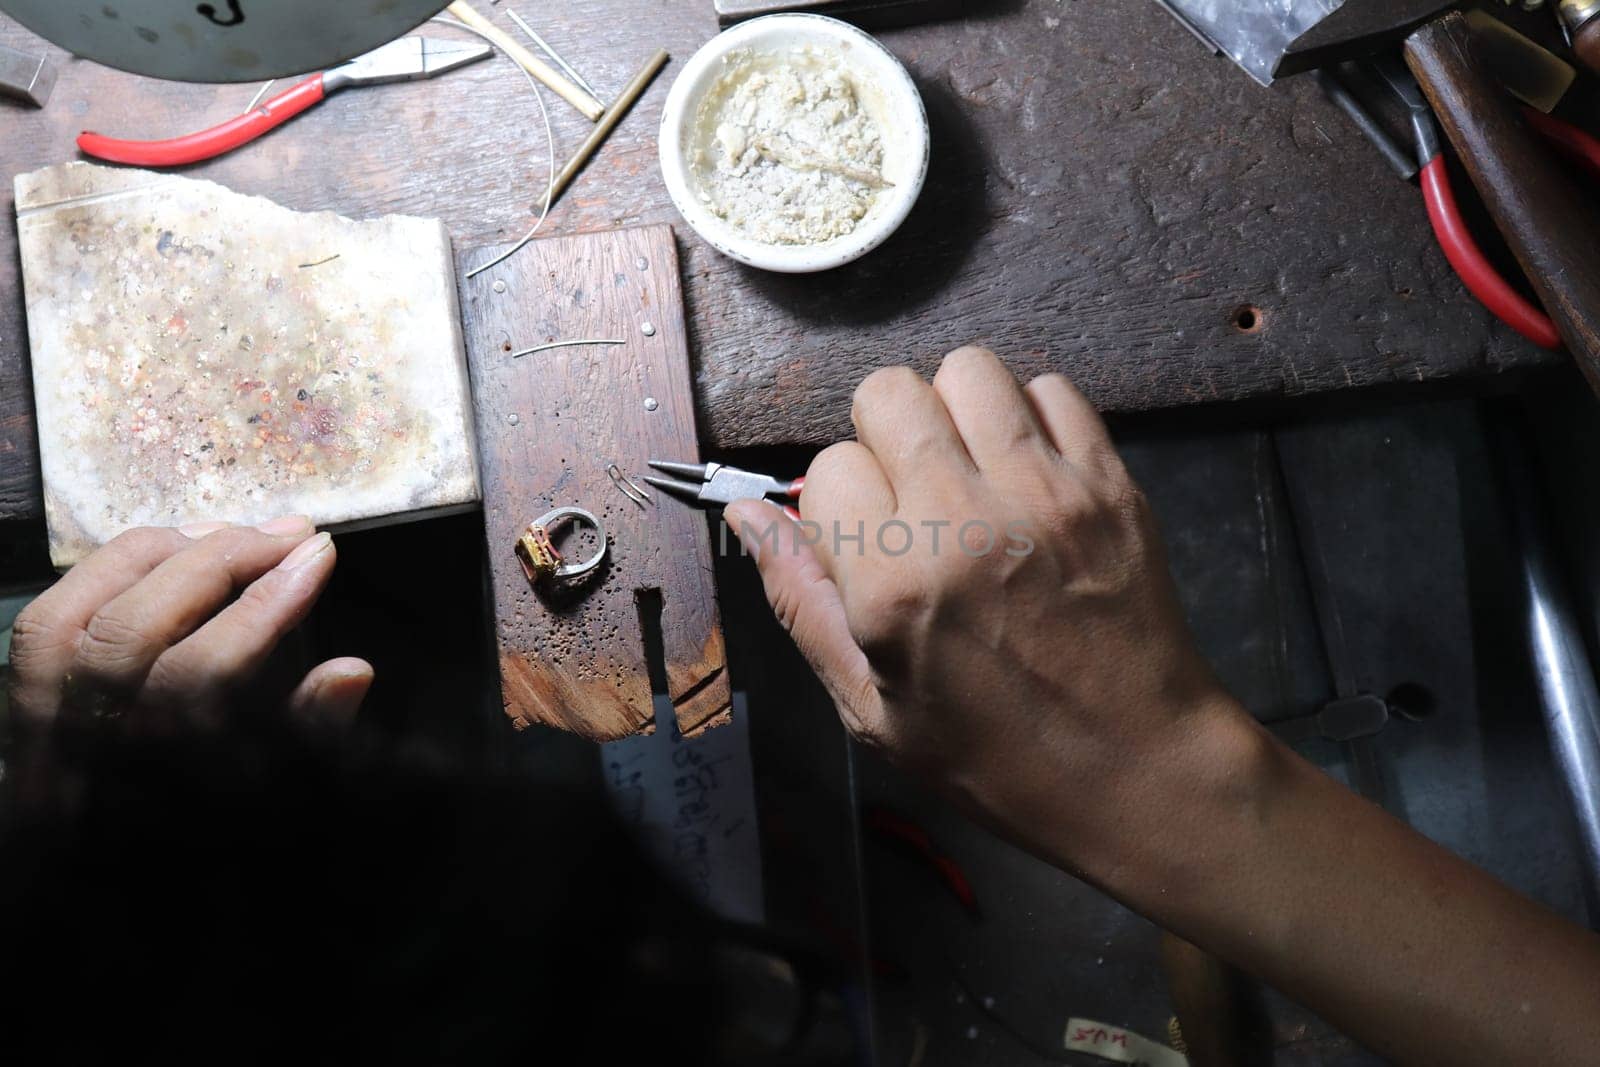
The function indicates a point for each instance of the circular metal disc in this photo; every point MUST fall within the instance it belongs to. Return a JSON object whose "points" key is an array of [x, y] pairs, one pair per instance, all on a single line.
{"points": [[220, 40]]}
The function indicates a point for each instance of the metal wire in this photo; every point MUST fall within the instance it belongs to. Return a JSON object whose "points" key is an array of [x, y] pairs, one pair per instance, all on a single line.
{"points": [[630, 488], [550, 139], [565, 344], [549, 133], [259, 94], [553, 54]]}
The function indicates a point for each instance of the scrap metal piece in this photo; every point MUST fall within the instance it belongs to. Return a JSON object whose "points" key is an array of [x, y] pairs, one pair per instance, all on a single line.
{"points": [[26, 77], [1189, 24], [630, 488], [1272, 39]]}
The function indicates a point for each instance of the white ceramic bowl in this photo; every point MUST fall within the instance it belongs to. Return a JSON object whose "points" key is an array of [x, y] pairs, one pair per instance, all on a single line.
{"points": [[885, 90]]}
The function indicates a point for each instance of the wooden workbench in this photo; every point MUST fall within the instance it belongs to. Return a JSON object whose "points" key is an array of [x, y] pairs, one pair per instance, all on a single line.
{"points": [[1105, 199]]}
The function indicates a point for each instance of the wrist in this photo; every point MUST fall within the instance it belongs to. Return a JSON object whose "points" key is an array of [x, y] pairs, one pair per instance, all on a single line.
{"points": [[1196, 810]]}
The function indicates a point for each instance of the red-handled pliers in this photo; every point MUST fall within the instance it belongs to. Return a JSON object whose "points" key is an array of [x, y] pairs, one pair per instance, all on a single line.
{"points": [[1460, 248], [408, 59], [718, 483]]}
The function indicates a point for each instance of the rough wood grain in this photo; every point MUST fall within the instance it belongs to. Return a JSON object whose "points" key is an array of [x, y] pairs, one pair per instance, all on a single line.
{"points": [[1103, 198], [549, 424]]}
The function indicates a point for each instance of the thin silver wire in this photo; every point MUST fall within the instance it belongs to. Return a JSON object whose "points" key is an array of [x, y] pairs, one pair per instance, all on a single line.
{"points": [[550, 140], [630, 488], [259, 94], [566, 344], [549, 134], [553, 54]]}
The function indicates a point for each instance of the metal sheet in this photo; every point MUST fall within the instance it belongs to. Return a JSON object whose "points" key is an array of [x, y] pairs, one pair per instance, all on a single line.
{"points": [[222, 40], [1256, 33], [1275, 38], [25, 76]]}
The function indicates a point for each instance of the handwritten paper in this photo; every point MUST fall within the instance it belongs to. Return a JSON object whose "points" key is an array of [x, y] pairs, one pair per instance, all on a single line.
{"points": [[693, 804], [1119, 1045]]}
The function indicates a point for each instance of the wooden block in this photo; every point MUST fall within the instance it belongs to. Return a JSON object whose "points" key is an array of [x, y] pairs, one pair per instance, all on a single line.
{"points": [[549, 424]]}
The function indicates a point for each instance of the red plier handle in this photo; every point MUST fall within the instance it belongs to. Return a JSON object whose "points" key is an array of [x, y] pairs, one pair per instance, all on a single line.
{"points": [[796, 487], [208, 144], [1461, 248]]}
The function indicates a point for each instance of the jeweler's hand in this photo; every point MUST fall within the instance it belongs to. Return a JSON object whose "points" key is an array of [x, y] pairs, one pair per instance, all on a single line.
{"points": [[1051, 685], [1026, 651], [165, 624]]}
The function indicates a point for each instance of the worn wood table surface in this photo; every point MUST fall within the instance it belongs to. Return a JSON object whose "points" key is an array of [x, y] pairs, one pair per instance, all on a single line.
{"points": [[1105, 199]]}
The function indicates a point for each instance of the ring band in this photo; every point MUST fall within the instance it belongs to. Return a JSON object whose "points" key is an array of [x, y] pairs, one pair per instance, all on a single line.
{"points": [[538, 553]]}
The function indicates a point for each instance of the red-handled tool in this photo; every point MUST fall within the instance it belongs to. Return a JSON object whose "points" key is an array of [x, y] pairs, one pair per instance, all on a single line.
{"points": [[408, 59], [1460, 247], [891, 827], [718, 483]]}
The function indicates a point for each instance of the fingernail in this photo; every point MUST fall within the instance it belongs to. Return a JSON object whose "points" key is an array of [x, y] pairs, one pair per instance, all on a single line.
{"points": [[285, 524], [196, 530], [306, 551], [736, 516]]}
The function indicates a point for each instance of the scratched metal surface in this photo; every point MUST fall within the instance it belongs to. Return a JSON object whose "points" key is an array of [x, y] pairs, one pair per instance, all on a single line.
{"points": [[1103, 197]]}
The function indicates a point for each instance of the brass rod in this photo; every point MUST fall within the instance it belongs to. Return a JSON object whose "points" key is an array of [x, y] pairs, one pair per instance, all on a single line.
{"points": [[614, 114]]}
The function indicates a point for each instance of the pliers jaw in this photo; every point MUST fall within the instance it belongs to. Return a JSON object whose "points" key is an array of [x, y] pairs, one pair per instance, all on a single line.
{"points": [[718, 483], [408, 59], [1424, 127]]}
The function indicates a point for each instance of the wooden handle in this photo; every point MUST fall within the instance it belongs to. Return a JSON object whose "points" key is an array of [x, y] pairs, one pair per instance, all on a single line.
{"points": [[1550, 224], [1586, 43], [1204, 994], [592, 109]]}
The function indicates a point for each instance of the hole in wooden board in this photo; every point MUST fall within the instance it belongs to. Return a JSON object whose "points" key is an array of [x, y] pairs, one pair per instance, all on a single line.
{"points": [[1249, 319], [649, 604]]}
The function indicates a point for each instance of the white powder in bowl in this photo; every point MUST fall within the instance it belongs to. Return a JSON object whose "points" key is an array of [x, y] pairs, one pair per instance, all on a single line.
{"points": [[784, 149]]}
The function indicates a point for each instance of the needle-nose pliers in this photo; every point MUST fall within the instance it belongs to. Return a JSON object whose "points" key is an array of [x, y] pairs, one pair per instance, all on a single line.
{"points": [[718, 483]]}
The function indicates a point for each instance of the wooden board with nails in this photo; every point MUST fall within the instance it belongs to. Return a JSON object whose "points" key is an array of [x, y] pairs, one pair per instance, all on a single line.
{"points": [[1104, 200], [550, 424]]}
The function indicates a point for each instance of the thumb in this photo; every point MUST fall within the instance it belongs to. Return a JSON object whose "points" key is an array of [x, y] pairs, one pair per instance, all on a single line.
{"points": [[332, 693], [807, 603]]}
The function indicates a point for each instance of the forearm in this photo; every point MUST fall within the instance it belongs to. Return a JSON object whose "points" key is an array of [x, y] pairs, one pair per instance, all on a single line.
{"points": [[1267, 862], [1056, 692]]}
